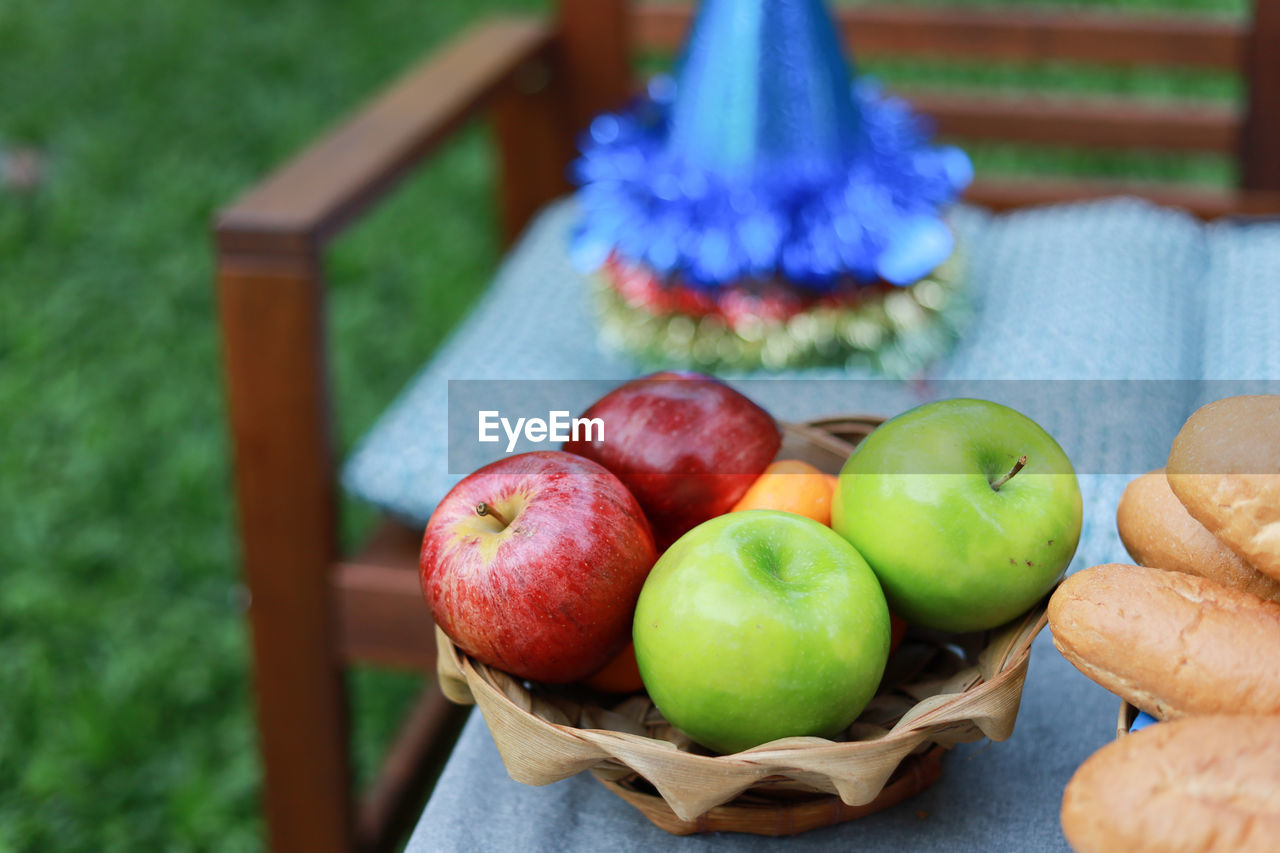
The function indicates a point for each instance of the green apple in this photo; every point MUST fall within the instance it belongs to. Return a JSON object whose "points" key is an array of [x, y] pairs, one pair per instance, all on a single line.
{"points": [[759, 625], [967, 511]]}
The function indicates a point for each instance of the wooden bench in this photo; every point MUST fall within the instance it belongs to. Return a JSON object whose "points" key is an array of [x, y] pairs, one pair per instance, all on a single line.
{"points": [[315, 611]]}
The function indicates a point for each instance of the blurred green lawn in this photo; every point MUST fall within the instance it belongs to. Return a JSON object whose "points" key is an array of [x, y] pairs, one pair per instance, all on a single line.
{"points": [[124, 707]]}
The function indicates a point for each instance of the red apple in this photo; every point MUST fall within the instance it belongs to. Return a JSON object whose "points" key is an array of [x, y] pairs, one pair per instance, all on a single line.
{"points": [[533, 564], [687, 446]]}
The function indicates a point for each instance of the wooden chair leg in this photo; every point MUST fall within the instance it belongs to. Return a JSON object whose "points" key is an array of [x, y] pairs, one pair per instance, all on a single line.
{"points": [[1260, 154], [534, 142], [271, 294], [594, 52], [539, 112], [393, 804], [272, 323]]}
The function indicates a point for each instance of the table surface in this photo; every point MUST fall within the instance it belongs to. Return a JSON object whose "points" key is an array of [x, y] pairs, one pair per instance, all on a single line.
{"points": [[1119, 290]]}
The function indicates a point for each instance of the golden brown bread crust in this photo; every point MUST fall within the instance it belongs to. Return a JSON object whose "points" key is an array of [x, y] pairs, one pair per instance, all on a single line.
{"points": [[1225, 468], [1172, 644], [1200, 785], [1158, 531]]}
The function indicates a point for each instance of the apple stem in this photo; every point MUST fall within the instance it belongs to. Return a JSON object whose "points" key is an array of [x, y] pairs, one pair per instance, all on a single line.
{"points": [[1017, 466], [483, 509]]}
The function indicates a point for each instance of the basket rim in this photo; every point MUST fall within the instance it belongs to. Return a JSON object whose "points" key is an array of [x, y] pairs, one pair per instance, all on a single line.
{"points": [[1128, 713], [1015, 665]]}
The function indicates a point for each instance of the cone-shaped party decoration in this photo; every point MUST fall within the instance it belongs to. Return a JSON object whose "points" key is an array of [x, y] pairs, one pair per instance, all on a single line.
{"points": [[766, 160], [764, 89]]}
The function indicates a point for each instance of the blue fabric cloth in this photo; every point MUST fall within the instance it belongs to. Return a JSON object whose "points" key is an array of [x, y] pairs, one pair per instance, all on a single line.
{"points": [[1111, 290]]}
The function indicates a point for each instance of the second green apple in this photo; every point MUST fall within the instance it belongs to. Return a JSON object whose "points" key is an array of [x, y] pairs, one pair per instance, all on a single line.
{"points": [[760, 625], [967, 511]]}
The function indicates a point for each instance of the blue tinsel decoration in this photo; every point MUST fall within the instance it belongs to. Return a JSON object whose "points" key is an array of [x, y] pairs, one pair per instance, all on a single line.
{"points": [[763, 160]]}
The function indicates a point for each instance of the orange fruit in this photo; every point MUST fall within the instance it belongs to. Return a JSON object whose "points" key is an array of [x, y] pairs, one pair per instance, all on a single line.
{"points": [[897, 630], [792, 486], [620, 675]]}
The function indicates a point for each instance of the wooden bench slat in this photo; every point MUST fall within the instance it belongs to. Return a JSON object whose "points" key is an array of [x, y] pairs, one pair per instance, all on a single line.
{"points": [[1103, 123], [382, 617], [1006, 34], [1203, 202]]}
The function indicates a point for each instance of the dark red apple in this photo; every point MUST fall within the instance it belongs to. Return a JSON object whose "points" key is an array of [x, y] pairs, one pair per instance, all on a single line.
{"points": [[533, 564], [686, 445]]}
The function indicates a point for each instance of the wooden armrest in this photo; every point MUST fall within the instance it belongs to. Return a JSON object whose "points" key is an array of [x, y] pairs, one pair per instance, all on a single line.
{"points": [[1204, 202], [306, 201]]}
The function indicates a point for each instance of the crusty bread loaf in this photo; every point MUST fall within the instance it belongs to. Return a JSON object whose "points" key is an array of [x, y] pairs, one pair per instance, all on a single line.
{"points": [[1199, 785], [1172, 644], [1158, 531], [1225, 468]]}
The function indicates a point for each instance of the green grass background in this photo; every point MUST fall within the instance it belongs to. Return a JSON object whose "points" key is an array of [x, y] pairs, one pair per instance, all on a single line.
{"points": [[125, 717]]}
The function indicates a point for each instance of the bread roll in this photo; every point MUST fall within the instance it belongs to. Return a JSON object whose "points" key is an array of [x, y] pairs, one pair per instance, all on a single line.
{"points": [[1204, 784], [1225, 468], [1158, 531], [1172, 644]]}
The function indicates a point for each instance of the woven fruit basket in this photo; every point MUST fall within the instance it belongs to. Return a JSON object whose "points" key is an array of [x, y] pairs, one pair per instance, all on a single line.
{"points": [[938, 690], [1124, 722]]}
